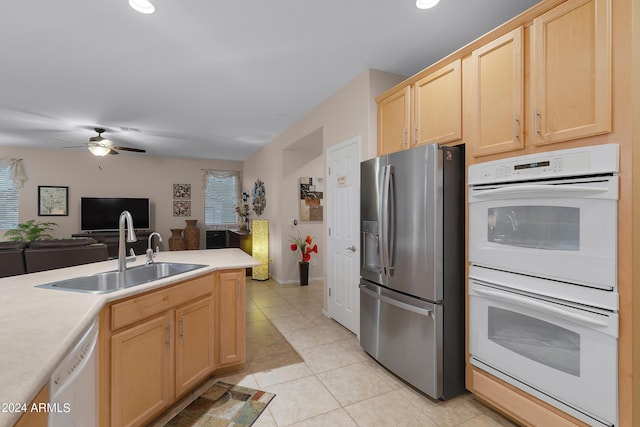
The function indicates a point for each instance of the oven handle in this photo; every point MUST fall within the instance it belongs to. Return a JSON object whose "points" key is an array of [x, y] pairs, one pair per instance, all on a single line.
{"points": [[535, 305], [541, 191]]}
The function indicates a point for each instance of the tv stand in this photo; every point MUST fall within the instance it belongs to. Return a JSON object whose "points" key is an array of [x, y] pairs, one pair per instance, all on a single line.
{"points": [[110, 238]]}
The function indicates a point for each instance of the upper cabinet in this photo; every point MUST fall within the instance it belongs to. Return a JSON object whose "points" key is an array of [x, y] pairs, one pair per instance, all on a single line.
{"points": [[426, 111], [571, 71], [394, 121], [570, 80], [438, 106], [497, 91]]}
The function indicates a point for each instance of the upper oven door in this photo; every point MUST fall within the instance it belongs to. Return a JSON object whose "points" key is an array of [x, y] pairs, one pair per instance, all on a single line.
{"points": [[563, 230]]}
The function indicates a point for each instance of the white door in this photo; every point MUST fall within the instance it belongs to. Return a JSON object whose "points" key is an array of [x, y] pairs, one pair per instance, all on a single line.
{"points": [[343, 233]]}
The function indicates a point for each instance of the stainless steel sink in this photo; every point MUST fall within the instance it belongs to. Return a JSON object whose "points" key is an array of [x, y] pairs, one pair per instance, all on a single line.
{"points": [[110, 281]]}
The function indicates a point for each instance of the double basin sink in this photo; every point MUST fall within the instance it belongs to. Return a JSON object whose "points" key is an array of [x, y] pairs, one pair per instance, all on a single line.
{"points": [[110, 281]]}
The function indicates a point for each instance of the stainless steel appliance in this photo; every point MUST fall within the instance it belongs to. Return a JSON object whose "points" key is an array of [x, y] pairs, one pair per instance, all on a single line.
{"points": [[543, 301], [412, 266]]}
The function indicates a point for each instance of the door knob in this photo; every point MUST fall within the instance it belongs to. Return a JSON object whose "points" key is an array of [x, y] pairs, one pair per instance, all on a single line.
{"points": [[351, 248]]}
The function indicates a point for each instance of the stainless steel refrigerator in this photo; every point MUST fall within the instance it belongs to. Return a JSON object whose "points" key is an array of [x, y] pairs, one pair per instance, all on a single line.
{"points": [[412, 266]]}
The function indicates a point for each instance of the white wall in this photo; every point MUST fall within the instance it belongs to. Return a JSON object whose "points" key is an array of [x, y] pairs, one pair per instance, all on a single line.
{"points": [[349, 112], [124, 175]]}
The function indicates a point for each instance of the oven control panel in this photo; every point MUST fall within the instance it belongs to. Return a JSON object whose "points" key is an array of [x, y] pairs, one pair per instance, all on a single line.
{"points": [[572, 162]]}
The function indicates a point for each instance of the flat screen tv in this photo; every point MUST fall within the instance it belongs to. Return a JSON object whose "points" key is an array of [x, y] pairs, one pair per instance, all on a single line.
{"points": [[103, 213]]}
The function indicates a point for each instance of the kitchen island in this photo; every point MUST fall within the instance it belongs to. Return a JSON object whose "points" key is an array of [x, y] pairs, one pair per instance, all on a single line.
{"points": [[38, 326]]}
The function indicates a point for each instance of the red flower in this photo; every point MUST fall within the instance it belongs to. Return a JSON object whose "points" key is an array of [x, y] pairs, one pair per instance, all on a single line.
{"points": [[309, 240], [294, 247], [306, 257]]}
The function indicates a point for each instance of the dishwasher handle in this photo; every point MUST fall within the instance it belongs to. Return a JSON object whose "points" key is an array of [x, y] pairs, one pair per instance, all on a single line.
{"points": [[75, 362]]}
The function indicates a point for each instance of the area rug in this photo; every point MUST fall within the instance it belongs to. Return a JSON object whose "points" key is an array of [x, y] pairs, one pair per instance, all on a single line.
{"points": [[223, 404]]}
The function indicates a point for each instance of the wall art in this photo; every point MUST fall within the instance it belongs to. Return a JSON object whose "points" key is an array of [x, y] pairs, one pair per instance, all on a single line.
{"points": [[311, 199]]}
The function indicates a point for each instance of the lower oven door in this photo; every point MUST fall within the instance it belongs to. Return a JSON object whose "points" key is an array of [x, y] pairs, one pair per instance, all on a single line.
{"points": [[564, 353]]}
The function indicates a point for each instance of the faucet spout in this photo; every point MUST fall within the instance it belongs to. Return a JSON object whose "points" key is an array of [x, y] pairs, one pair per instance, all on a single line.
{"points": [[150, 253], [125, 219]]}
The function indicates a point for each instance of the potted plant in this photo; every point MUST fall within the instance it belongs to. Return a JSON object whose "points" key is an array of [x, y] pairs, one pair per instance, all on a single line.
{"points": [[306, 247], [30, 230]]}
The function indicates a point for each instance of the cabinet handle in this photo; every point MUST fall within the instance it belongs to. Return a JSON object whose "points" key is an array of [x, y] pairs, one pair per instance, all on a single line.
{"points": [[536, 118], [238, 288], [404, 137], [415, 135], [515, 127], [169, 334], [182, 327]]}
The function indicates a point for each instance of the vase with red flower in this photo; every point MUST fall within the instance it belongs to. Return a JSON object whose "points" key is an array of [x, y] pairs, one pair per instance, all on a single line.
{"points": [[306, 248]]}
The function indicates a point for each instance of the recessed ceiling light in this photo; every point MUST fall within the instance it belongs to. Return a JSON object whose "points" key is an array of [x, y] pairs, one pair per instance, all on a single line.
{"points": [[426, 4], [142, 6]]}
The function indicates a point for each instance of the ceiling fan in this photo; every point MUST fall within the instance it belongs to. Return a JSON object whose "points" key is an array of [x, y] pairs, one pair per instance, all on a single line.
{"points": [[101, 146]]}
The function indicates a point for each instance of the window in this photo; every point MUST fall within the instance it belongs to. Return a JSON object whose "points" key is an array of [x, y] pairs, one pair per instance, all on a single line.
{"points": [[9, 197], [221, 196]]}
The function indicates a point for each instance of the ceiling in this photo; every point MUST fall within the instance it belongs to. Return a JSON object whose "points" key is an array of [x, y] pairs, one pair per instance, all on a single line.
{"points": [[207, 78]]}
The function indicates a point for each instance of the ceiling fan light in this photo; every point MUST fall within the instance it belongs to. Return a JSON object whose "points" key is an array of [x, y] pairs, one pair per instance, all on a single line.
{"points": [[142, 6], [99, 150], [424, 4]]}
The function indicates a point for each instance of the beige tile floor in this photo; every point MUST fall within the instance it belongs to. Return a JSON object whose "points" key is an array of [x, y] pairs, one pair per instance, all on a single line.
{"points": [[322, 377]]}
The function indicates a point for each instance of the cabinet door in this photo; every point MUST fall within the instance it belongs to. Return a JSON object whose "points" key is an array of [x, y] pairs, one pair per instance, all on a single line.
{"points": [[231, 312], [194, 343], [141, 371], [394, 121], [438, 106], [571, 71], [497, 85]]}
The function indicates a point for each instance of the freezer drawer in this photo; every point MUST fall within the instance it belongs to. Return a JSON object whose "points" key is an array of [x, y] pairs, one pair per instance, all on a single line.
{"points": [[408, 340]]}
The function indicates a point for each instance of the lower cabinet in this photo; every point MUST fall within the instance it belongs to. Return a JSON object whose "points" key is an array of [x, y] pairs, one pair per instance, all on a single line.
{"points": [[194, 344], [141, 371], [231, 310], [156, 347]]}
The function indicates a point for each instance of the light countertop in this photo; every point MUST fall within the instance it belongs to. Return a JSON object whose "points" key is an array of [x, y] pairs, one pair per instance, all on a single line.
{"points": [[38, 326]]}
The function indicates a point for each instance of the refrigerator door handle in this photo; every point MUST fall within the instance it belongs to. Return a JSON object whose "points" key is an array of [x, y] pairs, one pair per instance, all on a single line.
{"points": [[422, 311], [391, 199], [384, 220], [387, 217]]}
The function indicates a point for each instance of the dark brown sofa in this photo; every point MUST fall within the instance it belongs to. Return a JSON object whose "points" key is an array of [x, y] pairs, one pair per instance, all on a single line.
{"points": [[50, 254], [12, 258]]}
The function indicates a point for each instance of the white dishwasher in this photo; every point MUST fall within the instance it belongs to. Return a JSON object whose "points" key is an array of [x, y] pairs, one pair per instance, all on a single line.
{"points": [[74, 385]]}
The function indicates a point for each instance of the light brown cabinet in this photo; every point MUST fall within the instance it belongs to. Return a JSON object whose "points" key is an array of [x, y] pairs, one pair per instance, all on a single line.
{"points": [[497, 91], [571, 71], [394, 121], [570, 80], [157, 346], [437, 108], [194, 344], [426, 111], [231, 317], [141, 371]]}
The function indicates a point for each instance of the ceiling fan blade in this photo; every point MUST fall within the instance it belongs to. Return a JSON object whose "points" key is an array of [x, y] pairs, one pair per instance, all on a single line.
{"points": [[135, 150], [112, 152], [75, 146]]}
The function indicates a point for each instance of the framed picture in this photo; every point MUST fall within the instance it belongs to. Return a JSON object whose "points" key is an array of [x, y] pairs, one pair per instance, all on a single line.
{"points": [[181, 208], [182, 191], [311, 199], [53, 201]]}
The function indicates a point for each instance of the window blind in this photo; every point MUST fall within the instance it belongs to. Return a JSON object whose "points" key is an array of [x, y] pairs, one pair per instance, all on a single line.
{"points": [[222, 195], [9, 200]]}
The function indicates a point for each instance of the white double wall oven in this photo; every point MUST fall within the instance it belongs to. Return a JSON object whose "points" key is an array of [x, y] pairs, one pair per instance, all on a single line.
{"points": [[543, 277]]}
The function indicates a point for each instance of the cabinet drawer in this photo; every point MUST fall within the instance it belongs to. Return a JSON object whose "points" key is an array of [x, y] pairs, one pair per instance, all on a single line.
{"points": [[528, 412], [139, 308]]}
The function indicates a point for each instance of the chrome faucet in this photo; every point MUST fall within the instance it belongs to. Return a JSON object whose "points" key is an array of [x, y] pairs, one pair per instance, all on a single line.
{"points": [[150, 253], [125, 216]]}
